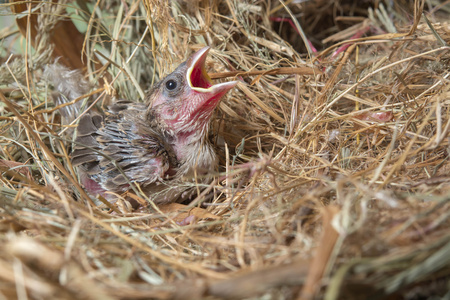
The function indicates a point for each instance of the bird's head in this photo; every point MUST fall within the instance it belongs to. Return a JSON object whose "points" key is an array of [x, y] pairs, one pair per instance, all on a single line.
{"points": [[184, 101]]}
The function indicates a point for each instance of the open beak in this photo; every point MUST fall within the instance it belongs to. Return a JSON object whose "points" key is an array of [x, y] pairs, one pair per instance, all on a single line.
{"points": [[200, 82]]}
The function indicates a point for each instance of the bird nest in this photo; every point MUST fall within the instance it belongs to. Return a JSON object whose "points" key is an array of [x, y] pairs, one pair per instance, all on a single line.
{"points": [[334, 152]]}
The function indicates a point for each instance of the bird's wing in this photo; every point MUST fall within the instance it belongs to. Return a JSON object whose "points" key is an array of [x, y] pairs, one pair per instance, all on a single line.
{"points": [[109, 147]]}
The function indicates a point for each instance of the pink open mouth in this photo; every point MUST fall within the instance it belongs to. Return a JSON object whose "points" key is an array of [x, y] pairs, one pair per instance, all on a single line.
{"points": [[199, 80]]}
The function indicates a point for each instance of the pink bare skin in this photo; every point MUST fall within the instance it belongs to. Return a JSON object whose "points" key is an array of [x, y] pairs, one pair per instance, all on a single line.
{"points": [[160, 145]]}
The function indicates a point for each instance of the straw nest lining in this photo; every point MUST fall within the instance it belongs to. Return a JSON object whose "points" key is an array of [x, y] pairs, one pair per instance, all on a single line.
{"points": [[333, 179]]}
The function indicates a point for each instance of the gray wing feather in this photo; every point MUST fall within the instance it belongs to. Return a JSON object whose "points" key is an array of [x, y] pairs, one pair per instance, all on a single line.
{"points": [[105, 143]]}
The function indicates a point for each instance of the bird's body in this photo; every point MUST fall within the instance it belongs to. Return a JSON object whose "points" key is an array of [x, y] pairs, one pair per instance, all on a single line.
{"points": [[122, 147], [160, 145]]}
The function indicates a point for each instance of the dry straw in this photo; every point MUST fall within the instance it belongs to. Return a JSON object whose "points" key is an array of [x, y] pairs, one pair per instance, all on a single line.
{"points": [[333, 179]]}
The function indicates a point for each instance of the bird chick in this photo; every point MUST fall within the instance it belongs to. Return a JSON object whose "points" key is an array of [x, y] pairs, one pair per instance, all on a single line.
{"points": [[160, 145]]}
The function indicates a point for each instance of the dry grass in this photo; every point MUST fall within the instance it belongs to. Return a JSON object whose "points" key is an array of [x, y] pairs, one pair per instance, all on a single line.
{"points": [[333, 180]]}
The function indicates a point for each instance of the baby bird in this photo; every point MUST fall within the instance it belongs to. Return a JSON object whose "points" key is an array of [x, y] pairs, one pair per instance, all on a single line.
{"points": [[161, 145]]}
